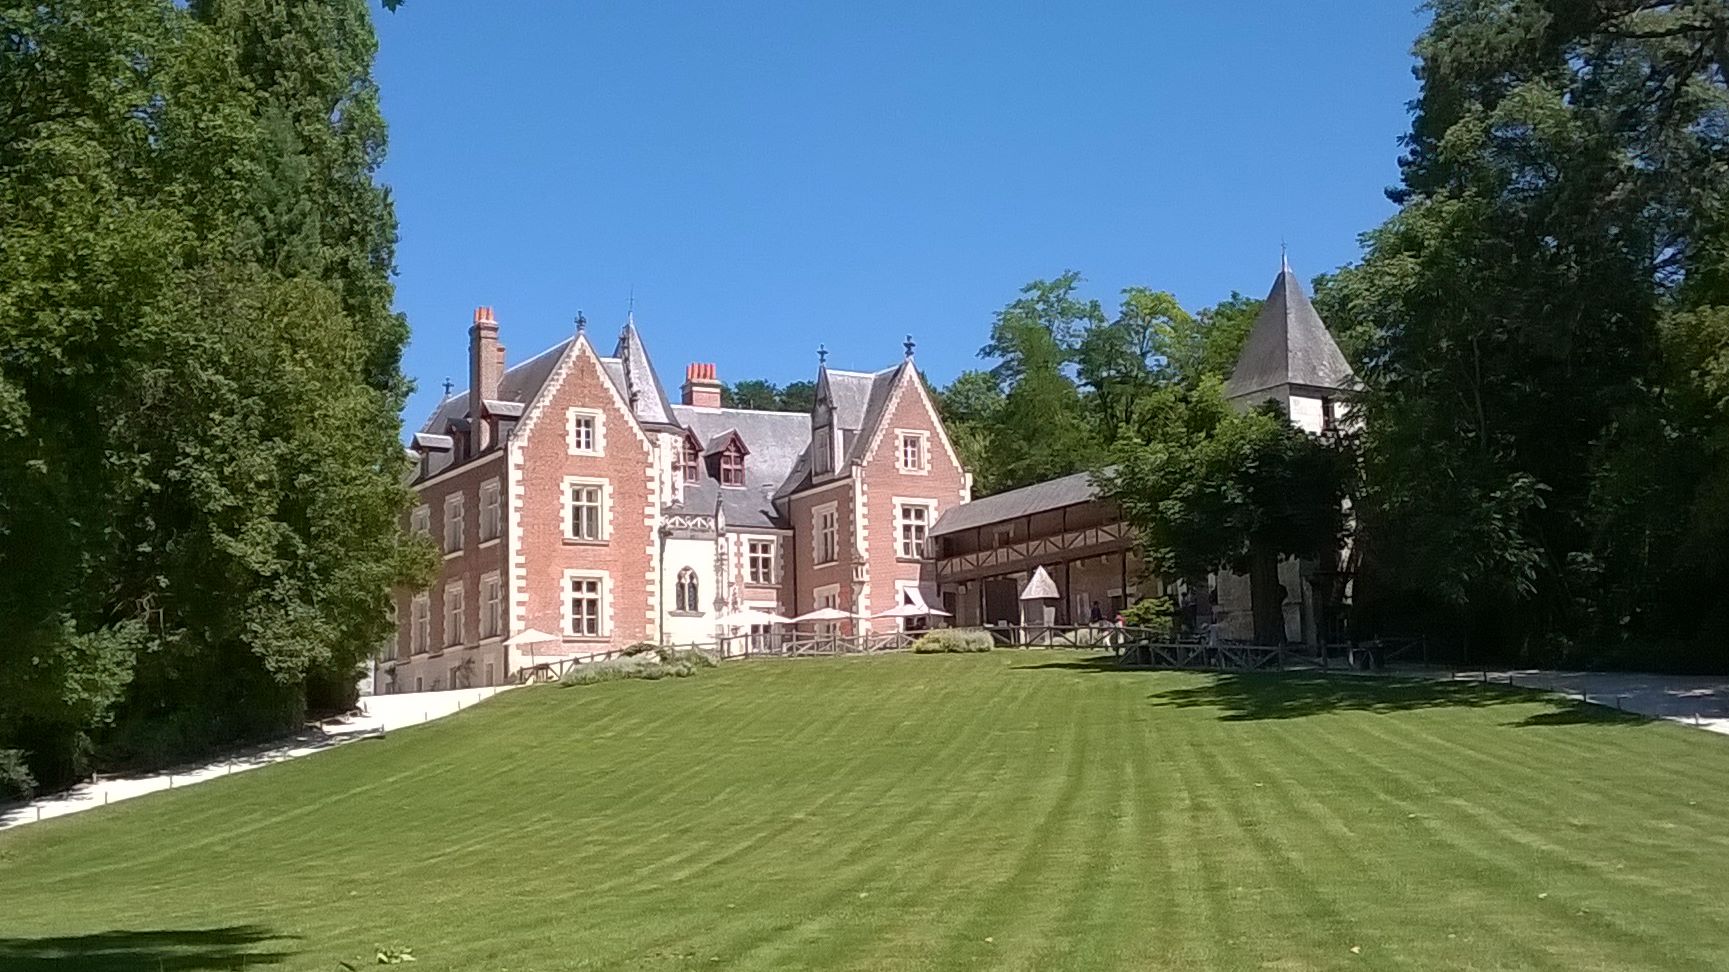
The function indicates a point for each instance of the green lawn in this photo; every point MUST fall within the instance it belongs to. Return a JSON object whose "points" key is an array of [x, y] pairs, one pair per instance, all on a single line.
{"points": [[1010, 810]]}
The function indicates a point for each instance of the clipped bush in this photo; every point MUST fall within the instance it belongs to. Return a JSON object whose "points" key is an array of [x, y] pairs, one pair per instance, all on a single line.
{"points": [[16, 781], [662, 663], [954, 641], [690, 657]]}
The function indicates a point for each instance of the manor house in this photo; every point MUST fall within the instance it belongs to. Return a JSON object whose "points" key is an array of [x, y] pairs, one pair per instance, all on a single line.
{"points": [[568, 494]]}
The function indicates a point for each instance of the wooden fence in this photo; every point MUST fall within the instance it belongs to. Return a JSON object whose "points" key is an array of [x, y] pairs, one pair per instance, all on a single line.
{"points": [[1132, 648]]}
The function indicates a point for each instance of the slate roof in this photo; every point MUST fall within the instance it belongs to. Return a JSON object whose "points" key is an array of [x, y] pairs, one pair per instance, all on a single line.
{"points": [[776, 440], [1288, 345], [520, 383], [1052, 494], [636, 377], [859, 399]]}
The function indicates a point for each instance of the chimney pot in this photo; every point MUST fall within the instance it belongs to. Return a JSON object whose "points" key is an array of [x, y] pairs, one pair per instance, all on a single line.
{"points": [[701, 386], [485, 372]]}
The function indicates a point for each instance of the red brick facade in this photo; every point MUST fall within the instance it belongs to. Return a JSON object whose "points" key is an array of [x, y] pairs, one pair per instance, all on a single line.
{"points": [[590, 459], [623, 465], [887, 488]]}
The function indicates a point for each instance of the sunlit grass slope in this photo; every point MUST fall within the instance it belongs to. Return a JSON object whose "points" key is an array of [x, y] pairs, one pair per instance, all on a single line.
{"points": [[1011, 810]]}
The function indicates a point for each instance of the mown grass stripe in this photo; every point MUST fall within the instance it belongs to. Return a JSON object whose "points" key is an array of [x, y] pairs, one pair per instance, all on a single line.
{"points": [[1080, 818]]}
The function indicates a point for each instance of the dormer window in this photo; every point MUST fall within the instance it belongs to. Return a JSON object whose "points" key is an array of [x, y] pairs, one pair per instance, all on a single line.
{"points": [[725, 455], [823, 444], [689, 461], [732, 466]]}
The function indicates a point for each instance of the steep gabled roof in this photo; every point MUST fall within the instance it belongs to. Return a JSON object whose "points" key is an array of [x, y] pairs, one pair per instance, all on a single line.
{"points": [[1288, 345], [858, 400], [520, 383], [876, 405], [774, 440], [639, 384]]}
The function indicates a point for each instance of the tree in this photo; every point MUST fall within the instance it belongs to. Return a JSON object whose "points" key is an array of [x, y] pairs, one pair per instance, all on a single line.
{"points": [[1040, 431], [199, 441], [1530, 428], [1151, 339], [1224, 330], [1208, 488], [969, 407], [796, 396], [751, 393]]}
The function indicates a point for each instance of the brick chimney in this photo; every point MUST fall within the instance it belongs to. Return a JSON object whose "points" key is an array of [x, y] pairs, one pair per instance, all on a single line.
{"points": [[701, 387], [485, 370]]}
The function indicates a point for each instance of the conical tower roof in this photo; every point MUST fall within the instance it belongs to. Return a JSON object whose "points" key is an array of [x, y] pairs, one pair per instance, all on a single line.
{"points": [[641, 384], [1288, 345]]}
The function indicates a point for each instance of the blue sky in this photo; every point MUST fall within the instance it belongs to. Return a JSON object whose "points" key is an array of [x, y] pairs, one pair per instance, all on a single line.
{"points": [[771, 176]]}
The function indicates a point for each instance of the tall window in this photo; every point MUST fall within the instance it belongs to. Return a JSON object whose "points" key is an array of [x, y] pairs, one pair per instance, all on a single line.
{"points": [[827, 535], [420, 521], [915, 530], [584, 430], [913, 451], [585, 607], [453, 522], [491, 606], [690, 462], [732, 466], [491, 510], [453, 614], [586, 518], [827, 597], [686, 592], [759, 560], [420, 624], [823, 451]]}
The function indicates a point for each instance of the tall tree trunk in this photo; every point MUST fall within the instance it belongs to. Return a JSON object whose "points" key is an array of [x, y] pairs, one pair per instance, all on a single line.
{"points": [[1266, 596]]}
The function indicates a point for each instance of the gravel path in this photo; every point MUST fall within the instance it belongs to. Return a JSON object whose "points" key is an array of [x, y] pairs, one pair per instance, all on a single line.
{"points": [[378, 713], [1701, 701]]}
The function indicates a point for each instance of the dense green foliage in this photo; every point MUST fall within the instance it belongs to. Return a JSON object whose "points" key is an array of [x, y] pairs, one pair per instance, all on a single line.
{"points": [[1070, 379], [1011, 810], [199, 387], [645, 661], [766, 396], [1544, 328], [1210, 487], [949, 641]]}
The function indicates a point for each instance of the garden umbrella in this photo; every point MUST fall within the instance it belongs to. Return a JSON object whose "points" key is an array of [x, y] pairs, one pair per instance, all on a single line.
{"points": [[750, 616], [529, 637], [914, 611], [824, 614]]}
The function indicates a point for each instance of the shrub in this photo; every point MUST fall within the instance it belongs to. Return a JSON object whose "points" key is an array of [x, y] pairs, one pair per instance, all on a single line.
{"points": [[690, 657], [663, 663], [954, 640], [641, 648], [1152, 614], [16, 782]]}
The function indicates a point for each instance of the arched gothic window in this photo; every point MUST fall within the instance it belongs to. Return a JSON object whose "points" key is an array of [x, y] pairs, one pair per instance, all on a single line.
{"points": [[686, 592]]}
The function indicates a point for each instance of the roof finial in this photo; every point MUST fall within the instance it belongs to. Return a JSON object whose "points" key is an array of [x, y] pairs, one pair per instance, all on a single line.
{"points": [[448, 385], [1284, 257], [822, 354], [630, 306], [909, 345], [581, 323]]}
